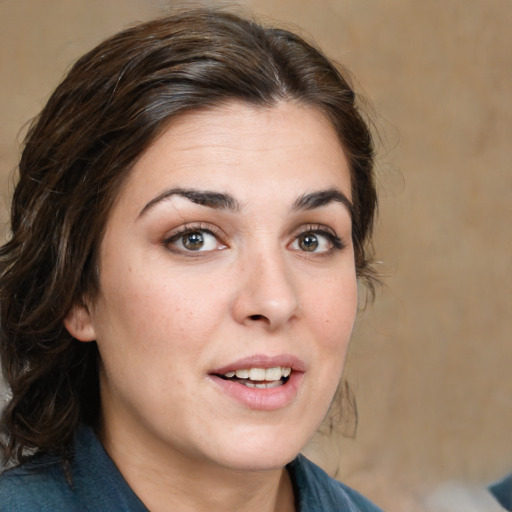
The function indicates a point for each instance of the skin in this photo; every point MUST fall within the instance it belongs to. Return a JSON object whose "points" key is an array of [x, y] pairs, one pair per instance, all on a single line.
{"points": [[166, 316]]}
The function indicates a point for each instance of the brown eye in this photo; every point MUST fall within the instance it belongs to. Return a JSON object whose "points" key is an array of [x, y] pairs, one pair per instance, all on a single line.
{"points": [[308, 242], [317, 240], [193, 241]]}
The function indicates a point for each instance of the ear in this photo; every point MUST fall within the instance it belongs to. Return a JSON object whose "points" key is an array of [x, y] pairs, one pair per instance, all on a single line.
{"points": [[79, 324]]}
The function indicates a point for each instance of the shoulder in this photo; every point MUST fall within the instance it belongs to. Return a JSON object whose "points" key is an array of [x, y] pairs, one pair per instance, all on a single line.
{"points": [[40, 485], [458, 496], [37, 486], [314, 489], [502, 491]]}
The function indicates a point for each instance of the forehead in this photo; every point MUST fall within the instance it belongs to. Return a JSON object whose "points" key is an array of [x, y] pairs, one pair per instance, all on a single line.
{"points": [[245, 150]]}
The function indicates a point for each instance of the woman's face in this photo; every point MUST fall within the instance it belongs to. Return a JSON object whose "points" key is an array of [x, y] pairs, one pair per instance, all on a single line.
{"points": [[227, 288]]}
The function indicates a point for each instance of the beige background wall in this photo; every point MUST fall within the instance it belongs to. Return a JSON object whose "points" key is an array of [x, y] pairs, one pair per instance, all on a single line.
{"points": [[431, 360]]}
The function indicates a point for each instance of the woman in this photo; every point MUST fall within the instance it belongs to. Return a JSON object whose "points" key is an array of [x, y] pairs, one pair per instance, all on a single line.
{"points": [[192, 216]]}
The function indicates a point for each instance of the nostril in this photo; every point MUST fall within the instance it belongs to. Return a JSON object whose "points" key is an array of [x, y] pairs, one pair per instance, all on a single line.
{"points": [[257, 317]]}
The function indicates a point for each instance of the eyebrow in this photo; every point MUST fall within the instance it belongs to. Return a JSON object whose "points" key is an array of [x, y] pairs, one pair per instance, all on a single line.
{"points": [[322, 198], [224, 201], [216, 200]]}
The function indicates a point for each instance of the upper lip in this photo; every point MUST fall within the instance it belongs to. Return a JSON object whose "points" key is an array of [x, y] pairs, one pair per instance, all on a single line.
{"points": [[263, 361]]}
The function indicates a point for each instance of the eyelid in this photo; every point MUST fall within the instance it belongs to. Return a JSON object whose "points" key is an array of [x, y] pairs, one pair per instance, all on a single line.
{"points": [[191, 227], [321, 229]]}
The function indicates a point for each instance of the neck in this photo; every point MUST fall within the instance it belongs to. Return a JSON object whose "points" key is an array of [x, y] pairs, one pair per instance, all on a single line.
{"points": [[165, 480]]}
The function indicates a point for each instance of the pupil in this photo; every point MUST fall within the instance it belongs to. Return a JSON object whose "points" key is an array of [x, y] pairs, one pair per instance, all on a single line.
{"points": [[308, 242], [193, 241]]}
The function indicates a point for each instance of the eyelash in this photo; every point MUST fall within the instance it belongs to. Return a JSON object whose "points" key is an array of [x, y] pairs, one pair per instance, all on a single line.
{"points": [[314, 229], [188, 229], [319, 230]]}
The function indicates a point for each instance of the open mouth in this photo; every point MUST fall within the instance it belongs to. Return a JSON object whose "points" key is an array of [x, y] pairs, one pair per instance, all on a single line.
{"points": [[261, 378]]}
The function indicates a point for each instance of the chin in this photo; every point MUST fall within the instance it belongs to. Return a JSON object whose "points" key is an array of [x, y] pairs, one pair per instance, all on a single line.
{"points": [[261, 452], [260, 462]]}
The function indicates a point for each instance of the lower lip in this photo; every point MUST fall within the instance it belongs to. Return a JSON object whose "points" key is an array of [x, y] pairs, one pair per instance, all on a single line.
{"points": [[267, 399]]}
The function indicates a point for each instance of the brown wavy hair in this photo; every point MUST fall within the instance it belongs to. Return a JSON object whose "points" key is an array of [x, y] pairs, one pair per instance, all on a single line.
{"points": [[111, 105]]}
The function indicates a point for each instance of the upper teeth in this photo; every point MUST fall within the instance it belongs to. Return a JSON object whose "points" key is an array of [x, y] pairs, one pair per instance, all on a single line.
{"points": [[259, 374]]}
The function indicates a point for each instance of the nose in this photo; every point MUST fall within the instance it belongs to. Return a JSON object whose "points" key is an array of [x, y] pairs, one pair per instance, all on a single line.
{"points": [[266, 292]]}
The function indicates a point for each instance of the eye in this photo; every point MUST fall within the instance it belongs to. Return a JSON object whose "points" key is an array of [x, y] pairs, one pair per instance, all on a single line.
{"points": [[193, 240], [316, 241]]}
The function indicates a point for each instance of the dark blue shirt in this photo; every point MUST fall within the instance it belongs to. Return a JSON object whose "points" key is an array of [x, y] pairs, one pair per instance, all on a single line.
{"points": [[98, 486], [502, 491]]}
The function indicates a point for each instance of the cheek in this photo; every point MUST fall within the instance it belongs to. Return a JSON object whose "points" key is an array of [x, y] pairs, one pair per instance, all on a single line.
{"points": [[159, 313], [333, 307]]}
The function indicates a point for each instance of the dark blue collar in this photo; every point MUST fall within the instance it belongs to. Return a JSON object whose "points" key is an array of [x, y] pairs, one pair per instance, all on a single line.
{"points": [[97, 485]]}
